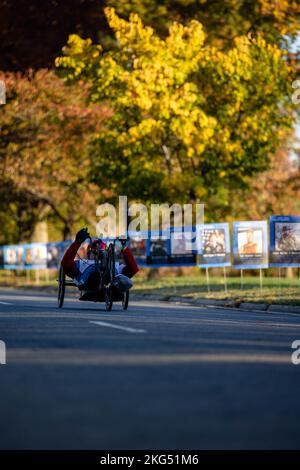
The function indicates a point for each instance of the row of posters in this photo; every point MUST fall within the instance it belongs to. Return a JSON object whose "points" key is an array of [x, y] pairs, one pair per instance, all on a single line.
{"points": [[210, 246], [32, 255], [206, 245], [165, 249]]}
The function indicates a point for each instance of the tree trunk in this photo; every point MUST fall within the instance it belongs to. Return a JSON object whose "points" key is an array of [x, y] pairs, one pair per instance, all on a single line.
{"points": [[40, 233], [66, 233]]}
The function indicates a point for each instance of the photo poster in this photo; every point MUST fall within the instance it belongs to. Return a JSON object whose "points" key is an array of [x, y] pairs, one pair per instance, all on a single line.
{"points": [[285, 241], [183, 246], [250, 244], [137, 244], [213, 245], [35, 255], [13, 257], [55, 252], [158, 249], [138, 247]]}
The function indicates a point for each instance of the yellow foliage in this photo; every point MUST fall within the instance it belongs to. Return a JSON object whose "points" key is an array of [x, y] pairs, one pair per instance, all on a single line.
{"points": [[202, 104]]}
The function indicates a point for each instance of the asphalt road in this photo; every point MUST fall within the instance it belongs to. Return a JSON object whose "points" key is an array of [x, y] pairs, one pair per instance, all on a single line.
{"points": [[159, 376]]}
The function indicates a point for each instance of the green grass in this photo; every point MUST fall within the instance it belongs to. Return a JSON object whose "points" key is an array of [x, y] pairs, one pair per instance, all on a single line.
{"points": [[275, 290], [30, 279]]}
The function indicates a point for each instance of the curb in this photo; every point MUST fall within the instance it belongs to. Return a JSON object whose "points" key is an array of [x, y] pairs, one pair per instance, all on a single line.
{"points": [[254, 306], [284, 308], [205, 302], [258, 307]]}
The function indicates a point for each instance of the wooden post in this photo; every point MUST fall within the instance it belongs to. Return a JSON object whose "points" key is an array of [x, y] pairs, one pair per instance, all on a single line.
{"points": [[225, 280], [207, 280], [260, 279]]}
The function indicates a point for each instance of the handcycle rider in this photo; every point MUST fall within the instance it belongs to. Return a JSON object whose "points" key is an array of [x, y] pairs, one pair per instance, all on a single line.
{"points": [[85, 274]]}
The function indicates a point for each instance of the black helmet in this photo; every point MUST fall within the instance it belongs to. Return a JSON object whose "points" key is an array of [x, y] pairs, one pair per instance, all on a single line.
{"points": [[95, 246]]}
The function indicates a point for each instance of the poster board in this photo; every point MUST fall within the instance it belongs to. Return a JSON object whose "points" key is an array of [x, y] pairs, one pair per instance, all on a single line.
{"points": [[250, 244], [284, 241], [214, 245]]}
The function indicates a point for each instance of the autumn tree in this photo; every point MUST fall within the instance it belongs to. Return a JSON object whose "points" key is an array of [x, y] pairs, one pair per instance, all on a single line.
{"points": [[45, 131], [189, 121], [276, 190], [223, 20]]}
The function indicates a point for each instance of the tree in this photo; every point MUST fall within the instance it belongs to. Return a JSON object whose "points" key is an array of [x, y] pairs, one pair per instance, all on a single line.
{"points": [[45, 131], [276, 191], [223, 20], [188, 121], [52, 22]]}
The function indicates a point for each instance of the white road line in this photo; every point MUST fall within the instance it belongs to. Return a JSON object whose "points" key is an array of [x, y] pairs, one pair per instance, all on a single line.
{"points": [[118, 327], [5, 303]]}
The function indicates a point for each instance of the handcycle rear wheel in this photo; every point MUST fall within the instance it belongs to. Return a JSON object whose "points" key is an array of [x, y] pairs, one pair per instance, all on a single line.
{"points": [[61, 287], [108, 299]]}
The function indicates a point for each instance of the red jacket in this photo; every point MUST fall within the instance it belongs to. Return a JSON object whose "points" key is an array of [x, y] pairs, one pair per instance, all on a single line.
{"points": [[68, 261]]}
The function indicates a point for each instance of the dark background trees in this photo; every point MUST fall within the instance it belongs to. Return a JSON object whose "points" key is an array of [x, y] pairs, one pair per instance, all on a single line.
{"points": [[46, 125], [32, 32]]}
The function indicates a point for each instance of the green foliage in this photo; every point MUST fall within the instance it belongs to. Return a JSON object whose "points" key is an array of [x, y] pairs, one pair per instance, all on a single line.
{"points": [[223, 20], [189, 121]]}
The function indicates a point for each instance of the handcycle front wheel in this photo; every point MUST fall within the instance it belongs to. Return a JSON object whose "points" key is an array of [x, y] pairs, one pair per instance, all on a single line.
{"points": [[61, 287], [109, 277], [125, 300], [111, 263]]}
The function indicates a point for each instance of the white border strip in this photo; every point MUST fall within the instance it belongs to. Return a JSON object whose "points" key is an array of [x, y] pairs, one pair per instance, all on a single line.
{"points": [[118, 327]]}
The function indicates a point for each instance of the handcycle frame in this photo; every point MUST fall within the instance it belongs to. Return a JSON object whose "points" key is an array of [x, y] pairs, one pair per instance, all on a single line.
{"points": [[105, 262]]}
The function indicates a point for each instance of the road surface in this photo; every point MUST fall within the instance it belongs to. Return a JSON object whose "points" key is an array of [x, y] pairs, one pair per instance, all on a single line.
{"points": [[159, 376]]}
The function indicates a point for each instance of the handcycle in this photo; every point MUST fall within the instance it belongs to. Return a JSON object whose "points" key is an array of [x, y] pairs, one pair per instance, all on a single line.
{"points": [[106, 291]]}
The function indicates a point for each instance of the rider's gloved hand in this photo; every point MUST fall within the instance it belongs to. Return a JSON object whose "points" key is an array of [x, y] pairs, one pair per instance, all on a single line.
{"points": [[123, 243], [82, 235]]}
